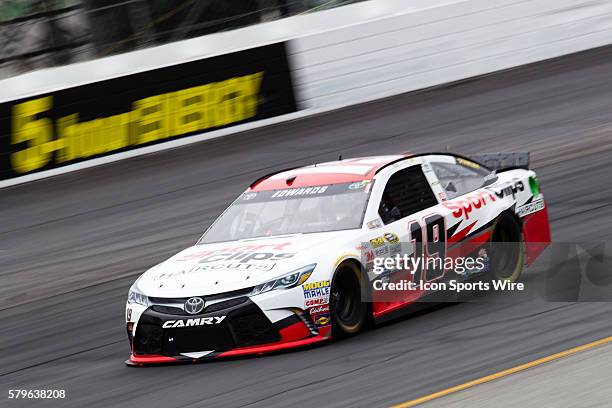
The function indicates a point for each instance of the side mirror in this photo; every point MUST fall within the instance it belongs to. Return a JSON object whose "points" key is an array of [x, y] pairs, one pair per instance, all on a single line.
{"points": [[450, 187]]}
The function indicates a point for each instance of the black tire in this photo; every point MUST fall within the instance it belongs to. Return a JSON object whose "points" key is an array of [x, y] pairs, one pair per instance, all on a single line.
{"points": [[349, 312], [506, 249]]}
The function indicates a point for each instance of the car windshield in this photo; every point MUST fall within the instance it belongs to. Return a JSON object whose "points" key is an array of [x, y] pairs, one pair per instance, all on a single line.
{"points": [[294, 210]]}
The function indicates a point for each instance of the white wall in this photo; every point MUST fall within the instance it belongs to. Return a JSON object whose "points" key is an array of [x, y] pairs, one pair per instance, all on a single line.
{"points": [[441, 44], [374, 48]]}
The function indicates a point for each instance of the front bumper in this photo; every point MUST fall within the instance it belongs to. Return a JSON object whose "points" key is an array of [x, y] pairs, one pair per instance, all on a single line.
{"points": [[164, 336]]}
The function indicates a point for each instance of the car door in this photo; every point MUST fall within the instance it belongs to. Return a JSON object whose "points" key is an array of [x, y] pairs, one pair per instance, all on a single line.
{"points": [[407, 196], [407, 212]]}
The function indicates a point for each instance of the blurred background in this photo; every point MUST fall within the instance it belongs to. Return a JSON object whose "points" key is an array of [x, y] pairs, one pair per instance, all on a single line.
{"points": [[470, 76], [43, 33]]}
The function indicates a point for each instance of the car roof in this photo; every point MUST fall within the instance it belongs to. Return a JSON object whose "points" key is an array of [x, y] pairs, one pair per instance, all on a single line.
{"points": [[340, 171]]}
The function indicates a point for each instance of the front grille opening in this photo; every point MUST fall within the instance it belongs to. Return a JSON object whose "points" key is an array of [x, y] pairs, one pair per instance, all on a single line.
{"points": [[148, 339], [245, 325], [168, 309], [174, 306], [225, 305], [253, 329], [186, 340]]}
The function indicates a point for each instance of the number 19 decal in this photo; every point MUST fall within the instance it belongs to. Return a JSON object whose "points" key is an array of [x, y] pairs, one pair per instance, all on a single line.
{"points": [[429, 238]]}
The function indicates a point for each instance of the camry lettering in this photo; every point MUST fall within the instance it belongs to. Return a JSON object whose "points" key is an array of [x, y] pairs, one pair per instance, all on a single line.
{"points": [[199, 321]]}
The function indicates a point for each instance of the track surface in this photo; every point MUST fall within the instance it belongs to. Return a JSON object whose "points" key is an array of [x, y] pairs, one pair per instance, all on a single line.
{"points": [[580, 380], [100, 225]]}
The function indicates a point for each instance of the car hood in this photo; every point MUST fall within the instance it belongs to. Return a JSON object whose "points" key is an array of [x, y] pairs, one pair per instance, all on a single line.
{"points": [[227, 266]]}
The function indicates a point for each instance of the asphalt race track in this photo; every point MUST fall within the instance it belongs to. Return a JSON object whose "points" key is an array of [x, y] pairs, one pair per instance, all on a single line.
{"points": [[70, 247]]}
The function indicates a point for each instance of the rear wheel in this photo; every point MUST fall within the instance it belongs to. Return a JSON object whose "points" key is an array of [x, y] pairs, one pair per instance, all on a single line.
{"points": [[348, 309], [506, 249]]}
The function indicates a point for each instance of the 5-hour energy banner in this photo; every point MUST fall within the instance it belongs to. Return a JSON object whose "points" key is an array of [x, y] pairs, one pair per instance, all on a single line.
{"points": [[76, 124]]}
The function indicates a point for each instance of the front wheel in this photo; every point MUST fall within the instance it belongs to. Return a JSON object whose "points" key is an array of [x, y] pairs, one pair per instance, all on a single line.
{"points": [[348, 309]]}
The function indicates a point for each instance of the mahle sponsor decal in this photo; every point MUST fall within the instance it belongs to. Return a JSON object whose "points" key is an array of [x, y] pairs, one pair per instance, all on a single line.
{"points": [[198, 321], [316, 290]]}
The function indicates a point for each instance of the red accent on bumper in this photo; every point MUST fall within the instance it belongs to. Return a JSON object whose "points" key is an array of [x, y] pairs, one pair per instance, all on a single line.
{"points": [[152, 359], [271, 347], [294, 332], [536, 232], [291, 337]]}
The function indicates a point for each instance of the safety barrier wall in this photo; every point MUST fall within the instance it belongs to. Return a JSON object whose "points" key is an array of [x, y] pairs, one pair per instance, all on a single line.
{"points": [[66, 118], [437, 45]]}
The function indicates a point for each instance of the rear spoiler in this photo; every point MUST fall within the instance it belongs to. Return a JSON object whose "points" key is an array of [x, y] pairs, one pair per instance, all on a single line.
{"points": [[502, 161]]}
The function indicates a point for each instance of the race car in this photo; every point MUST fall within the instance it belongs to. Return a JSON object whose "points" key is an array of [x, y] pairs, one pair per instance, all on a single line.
{"points": [[291, 262]]}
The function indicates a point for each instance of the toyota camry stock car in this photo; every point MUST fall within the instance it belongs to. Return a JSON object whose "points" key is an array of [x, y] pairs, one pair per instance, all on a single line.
{"points": [[289, 262]]}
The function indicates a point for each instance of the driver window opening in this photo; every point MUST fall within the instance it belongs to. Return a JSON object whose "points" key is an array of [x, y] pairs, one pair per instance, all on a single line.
{"points": [[406, 192]]}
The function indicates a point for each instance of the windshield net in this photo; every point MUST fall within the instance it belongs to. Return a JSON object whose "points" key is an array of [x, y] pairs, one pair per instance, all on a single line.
{"points": [[290, 211]]}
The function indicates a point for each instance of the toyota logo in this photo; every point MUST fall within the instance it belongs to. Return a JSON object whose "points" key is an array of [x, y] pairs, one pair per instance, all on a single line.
{"points": [[194, 305]]}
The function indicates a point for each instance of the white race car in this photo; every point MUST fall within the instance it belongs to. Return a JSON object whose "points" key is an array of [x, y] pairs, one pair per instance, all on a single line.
{"points": [[291, 261]]}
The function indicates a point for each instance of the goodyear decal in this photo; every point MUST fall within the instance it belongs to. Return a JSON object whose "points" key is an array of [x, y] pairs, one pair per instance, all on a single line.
{"points": [[322, 320]]}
